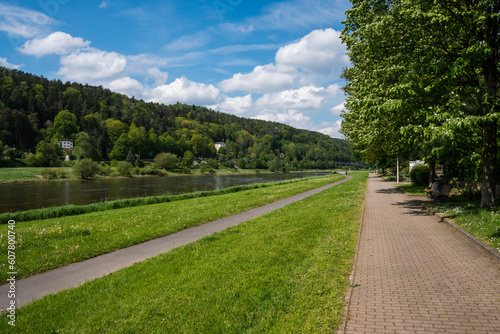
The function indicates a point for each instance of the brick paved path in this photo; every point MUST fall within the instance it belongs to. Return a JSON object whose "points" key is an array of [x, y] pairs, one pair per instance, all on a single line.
{"points": [[417, 275]]}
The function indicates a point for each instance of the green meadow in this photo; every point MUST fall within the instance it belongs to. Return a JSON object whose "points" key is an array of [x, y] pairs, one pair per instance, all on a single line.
{"points": [[49, 243], [283, 272]]}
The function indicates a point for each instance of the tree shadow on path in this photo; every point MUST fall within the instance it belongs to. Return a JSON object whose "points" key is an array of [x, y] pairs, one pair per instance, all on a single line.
{"points": [[414, 207]]}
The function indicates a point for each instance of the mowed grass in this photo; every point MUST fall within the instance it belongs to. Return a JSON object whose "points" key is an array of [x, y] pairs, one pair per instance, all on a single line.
{"points": [[50, 243], [284, 272], [412, 189], [484, 224], [19, 174]]}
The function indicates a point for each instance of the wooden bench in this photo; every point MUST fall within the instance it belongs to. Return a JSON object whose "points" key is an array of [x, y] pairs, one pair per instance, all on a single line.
{"points": [[429, 191], [441, 195]]}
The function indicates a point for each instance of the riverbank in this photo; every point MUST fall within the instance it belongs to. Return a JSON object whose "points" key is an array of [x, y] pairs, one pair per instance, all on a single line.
{"points": [[34, 174], [50, 243], [282, 272]]}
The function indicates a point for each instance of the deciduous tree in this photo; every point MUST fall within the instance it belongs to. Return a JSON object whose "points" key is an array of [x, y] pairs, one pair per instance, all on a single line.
{"points": [[421, 71]]}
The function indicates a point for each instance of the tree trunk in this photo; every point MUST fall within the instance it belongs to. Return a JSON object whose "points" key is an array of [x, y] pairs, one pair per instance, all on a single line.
{"points": [[489, 164], [432, 170]]}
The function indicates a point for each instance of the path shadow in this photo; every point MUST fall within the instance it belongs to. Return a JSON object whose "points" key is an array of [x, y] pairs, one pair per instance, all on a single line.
{"points": [[414, 207], [388, 191]]}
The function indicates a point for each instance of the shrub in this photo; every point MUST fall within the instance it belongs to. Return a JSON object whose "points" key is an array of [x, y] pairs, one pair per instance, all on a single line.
{"points": [[70, 163], [213, 164], [419, 175], [49, 173], [203, 169], [60, 173], [124, 168], [36, 160], [136, 170], [166, 161], [404, 174], [105, 169], [86, 168], [150, 170], [229, 164]]}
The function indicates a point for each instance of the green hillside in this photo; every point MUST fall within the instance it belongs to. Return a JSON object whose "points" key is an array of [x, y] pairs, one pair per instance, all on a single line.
{"points": [[36, 113]]}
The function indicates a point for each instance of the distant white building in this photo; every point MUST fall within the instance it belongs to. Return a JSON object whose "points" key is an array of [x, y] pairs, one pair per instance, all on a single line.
{"points": [[218, 145], [416, 162], [67, 144]]}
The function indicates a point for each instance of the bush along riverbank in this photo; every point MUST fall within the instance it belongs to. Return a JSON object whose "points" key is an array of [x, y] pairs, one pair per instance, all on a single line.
{"points": [[284, 272]]}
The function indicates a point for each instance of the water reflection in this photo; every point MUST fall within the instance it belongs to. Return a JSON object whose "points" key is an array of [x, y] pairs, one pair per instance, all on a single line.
{"points": [[26, 196]]}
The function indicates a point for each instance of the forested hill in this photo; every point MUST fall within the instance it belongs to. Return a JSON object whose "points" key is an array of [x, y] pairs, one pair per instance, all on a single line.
{"points": [[36, 113]]}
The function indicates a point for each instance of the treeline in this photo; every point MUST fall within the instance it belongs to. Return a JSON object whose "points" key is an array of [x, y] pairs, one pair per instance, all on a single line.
{"points": [[37, 113], [424, 84]]}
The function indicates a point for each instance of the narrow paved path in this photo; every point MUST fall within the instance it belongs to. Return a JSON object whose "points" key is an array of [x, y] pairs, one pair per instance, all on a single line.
{"points": [[416, 275], [73, 275]]}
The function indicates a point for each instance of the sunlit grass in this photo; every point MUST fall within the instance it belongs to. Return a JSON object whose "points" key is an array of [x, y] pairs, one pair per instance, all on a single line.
{"points": [[50, 243], [412, 189], [284, 272], [20, 174], [482, 223]]}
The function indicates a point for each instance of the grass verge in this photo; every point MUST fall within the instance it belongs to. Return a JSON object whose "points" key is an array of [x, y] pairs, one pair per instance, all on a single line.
{"points": [[285, 272], [484, 224], [411, 189], [46, 244]]}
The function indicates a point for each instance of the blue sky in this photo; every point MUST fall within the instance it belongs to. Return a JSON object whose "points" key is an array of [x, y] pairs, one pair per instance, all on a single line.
{"points": [[271, 60]]}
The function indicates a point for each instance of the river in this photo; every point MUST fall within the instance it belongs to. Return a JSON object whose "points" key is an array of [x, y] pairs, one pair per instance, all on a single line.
{"points": [[35, 195]]}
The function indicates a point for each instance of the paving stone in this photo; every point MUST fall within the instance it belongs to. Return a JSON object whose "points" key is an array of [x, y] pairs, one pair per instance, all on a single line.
{"points": [[418, 275]]}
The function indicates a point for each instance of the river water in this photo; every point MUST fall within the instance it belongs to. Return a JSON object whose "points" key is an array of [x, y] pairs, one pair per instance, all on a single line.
{"points": [[35, 195]]}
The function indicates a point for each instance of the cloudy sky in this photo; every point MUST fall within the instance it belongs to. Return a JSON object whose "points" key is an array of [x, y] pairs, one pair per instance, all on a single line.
{"points": [[271, 60]]}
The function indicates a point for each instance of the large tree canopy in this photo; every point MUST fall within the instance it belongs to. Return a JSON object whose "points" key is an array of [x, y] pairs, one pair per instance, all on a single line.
{"points": [[424, 75]]}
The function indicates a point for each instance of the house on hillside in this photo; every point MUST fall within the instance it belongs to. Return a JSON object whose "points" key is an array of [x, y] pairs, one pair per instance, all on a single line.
{"points": [[218, 145], [67, 144]]}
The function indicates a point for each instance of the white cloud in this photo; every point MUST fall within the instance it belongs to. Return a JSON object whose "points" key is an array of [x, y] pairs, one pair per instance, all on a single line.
{"points": [[104, 4], [331, 129], [291, 117], [262, 79], [5, 63], [94, 67], [321, 52], [189, 42], [147, 66], [337, 109], [200, 56], [127, 86], [26, 23], [244, 29], [158, 76], [299, 14], [56, 43], [307, 97], [240, 105], [185, 91]]}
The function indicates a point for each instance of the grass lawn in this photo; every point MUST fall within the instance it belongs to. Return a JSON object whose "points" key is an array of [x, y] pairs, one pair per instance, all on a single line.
{"points": [[25, 174], [484, 224], [19, 174], [285, 272], [50, 243], [412, 189]]}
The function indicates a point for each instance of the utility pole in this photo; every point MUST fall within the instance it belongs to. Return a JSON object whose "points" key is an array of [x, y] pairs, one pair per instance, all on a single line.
{"points": [[397, 171]]}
